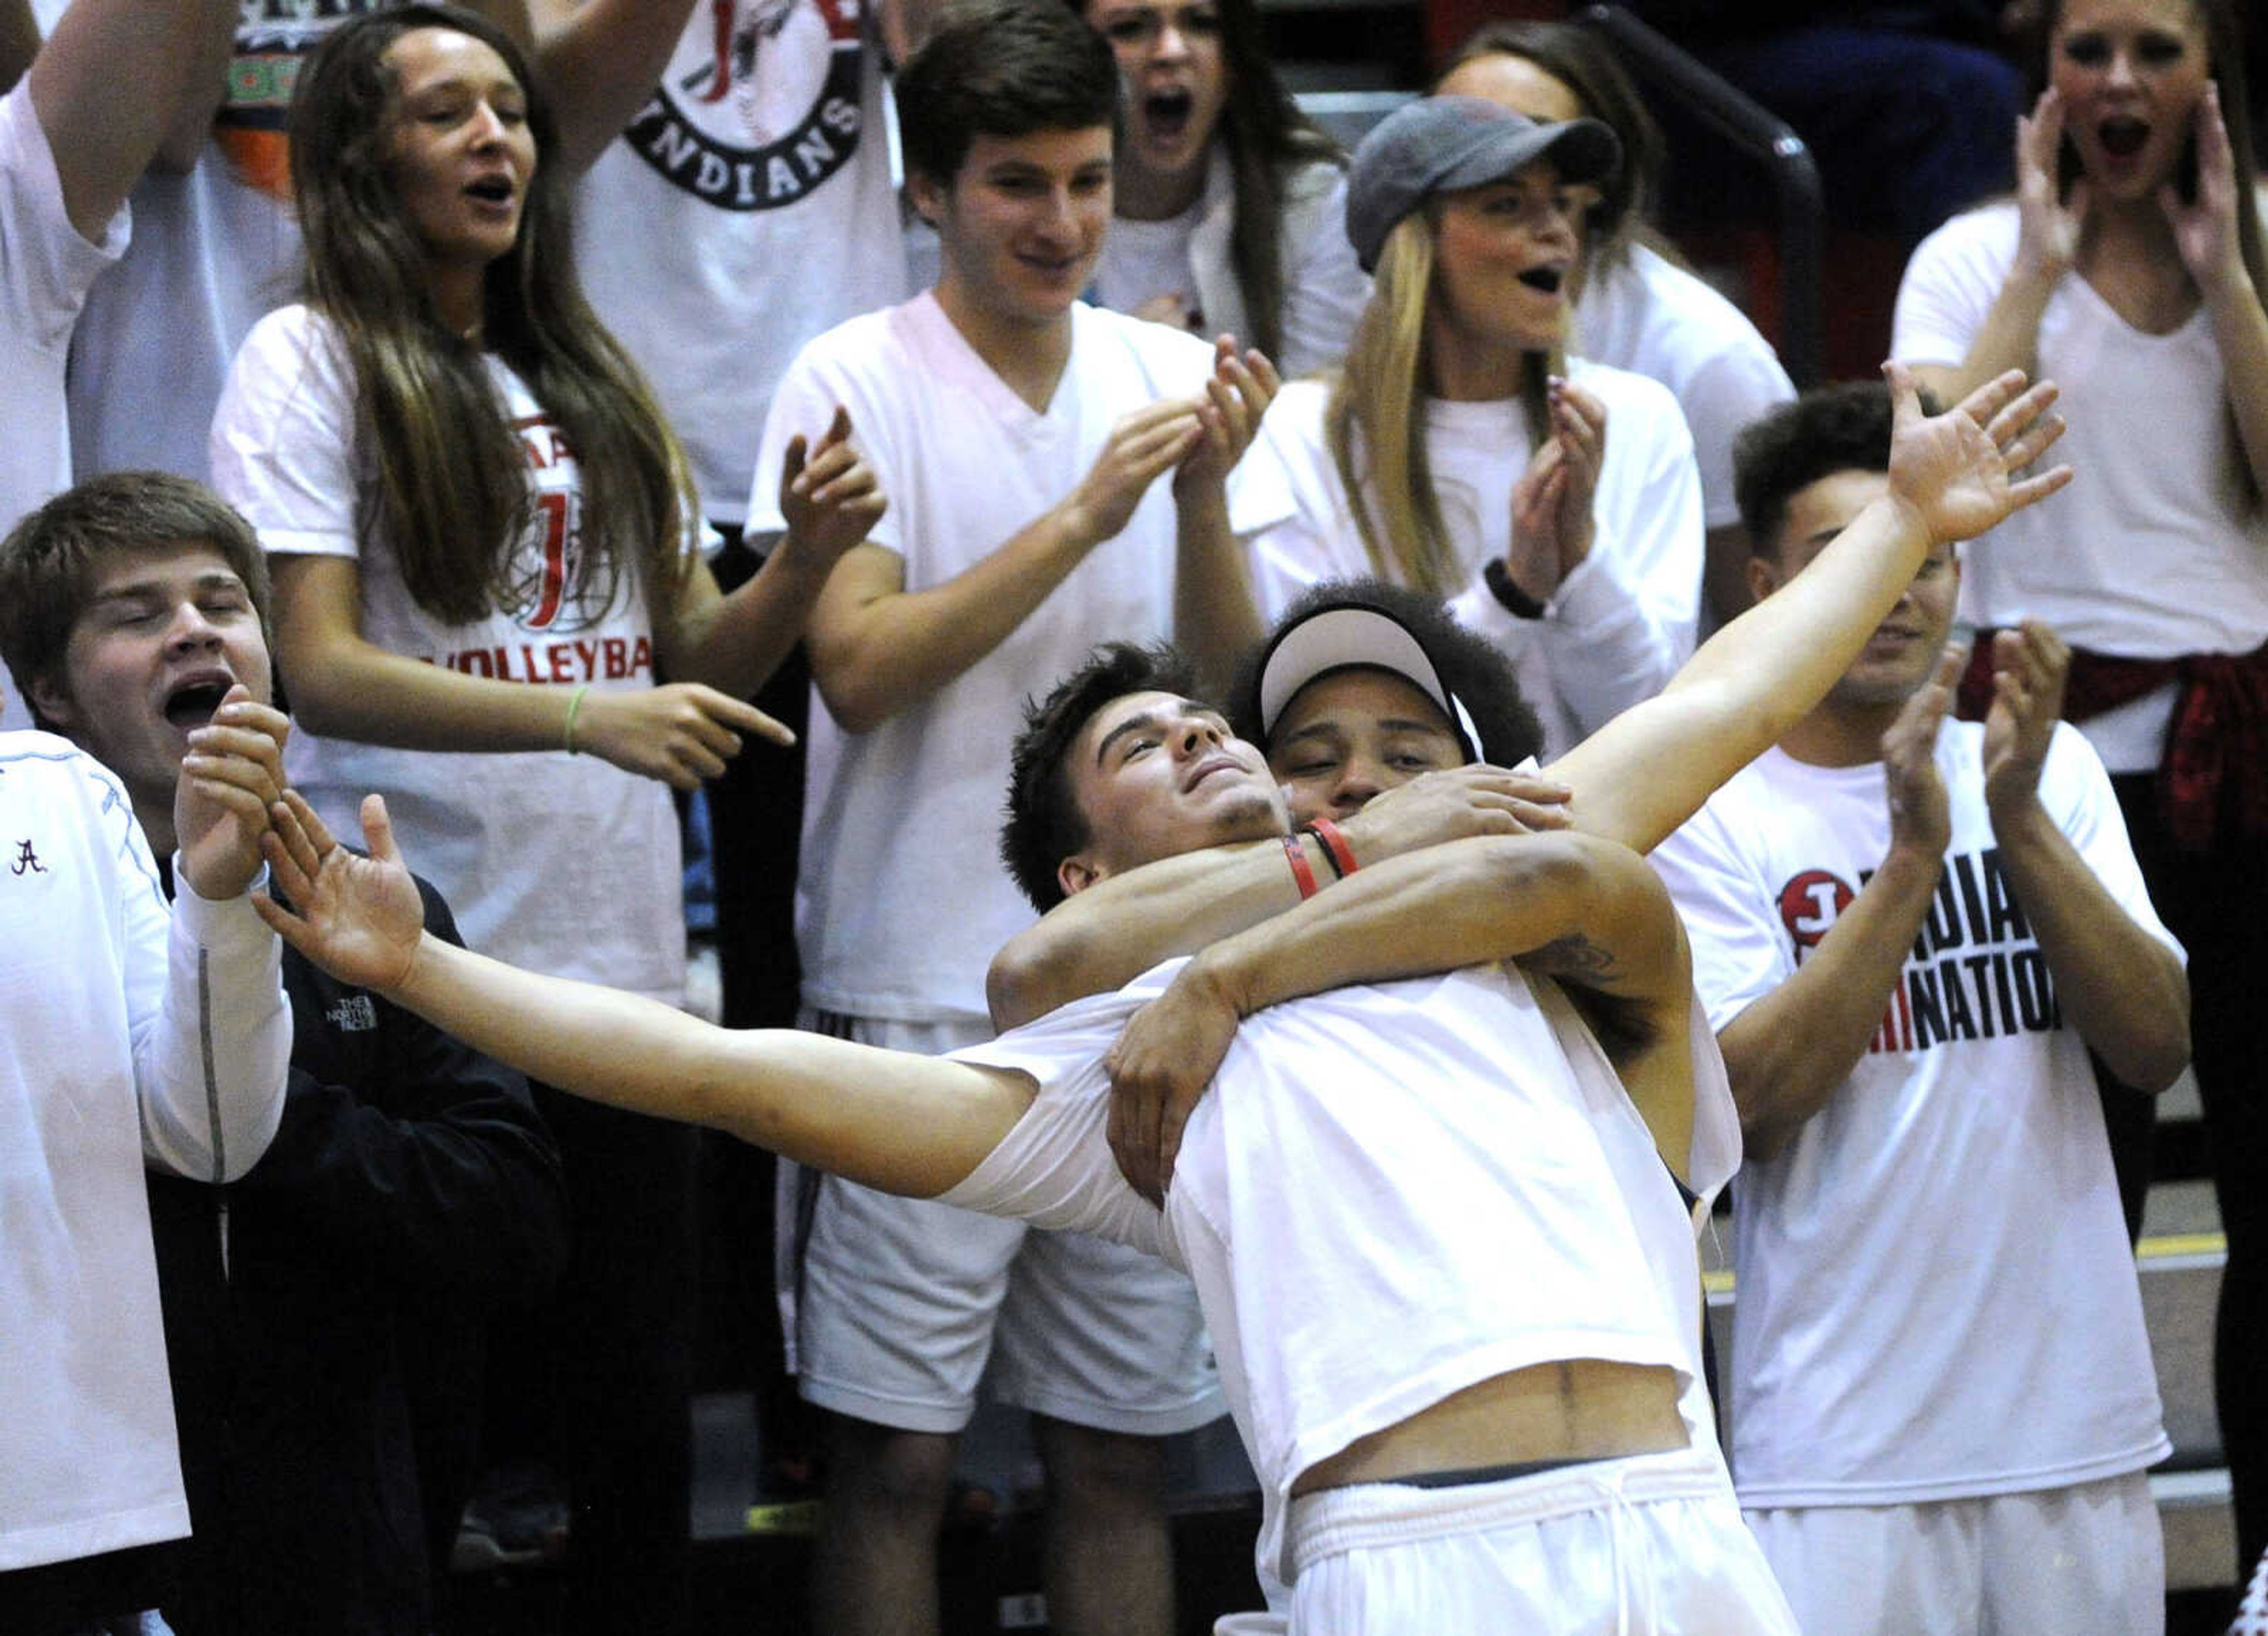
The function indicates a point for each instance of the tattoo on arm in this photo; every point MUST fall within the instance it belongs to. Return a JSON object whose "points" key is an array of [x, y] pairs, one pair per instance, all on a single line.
{"points": [[1625, 1025], [1576, 958]]}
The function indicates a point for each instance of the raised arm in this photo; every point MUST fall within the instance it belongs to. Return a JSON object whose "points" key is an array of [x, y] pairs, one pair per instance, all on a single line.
{"points": [[2047, 237], [109, 83], [1638, 778], [1216, 616], [1788, 1052], [2120, 986], [2209, 235], [1568, 903], [878, 649], [904, 1123], [1650, 769], [600, 60], [213, 1036], [830, 499]]}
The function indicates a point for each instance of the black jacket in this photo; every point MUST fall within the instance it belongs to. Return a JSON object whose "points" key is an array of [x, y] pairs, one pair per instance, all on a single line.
{"points": [[327, 1378]]}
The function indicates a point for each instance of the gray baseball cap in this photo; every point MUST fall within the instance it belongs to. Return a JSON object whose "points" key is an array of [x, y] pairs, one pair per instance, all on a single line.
{"points": [[1438, 145]]}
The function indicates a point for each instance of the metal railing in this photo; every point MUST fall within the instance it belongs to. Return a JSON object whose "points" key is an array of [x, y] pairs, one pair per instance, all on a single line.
{"points": [[1765, 138]]}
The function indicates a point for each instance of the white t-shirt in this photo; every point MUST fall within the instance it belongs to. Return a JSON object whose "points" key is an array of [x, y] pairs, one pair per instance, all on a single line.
{"points": [[565, 865], [747, 208], [903, 900], [1324, 287], [110, 1008], [46, 268], [214, 252], [1391, 1192], [1937, 1298], [1143, 260], [1619, 626], [2155, 552], [1651, 317]]}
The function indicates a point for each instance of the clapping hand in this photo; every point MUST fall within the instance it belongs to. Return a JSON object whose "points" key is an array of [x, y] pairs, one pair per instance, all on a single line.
{"points": [[234, 769], [1242, 387], [1552, 525]]}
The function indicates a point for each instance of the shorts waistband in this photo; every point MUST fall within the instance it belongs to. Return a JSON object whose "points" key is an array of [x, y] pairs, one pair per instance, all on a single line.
{"points": [[1364, 1515]]}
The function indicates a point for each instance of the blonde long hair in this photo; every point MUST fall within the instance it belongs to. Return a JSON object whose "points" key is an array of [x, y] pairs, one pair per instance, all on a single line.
{"points": [[1375, 420]]}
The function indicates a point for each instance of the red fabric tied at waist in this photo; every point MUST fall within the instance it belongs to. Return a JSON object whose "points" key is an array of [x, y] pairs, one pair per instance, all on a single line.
{"points": [[2215, 767]]}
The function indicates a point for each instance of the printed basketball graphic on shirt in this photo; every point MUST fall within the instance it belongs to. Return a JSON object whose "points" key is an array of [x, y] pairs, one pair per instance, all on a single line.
{"points": [[273, 39], [760, 104], [548, 636], [1975, 971]]}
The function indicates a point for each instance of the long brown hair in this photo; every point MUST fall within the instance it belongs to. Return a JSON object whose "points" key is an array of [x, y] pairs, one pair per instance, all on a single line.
{"points": [[1375, 420], [453, 479], [1267, 138]]}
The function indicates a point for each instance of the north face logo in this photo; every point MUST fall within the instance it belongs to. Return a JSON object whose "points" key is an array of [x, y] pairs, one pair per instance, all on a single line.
{"points": [[758, 108], [353, 1013]]}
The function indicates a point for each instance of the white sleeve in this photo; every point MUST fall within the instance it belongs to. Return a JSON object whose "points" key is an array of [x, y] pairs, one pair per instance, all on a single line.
{"points": [[1738, 384], [284, 440], [1740, 949], [1623, 622], [204, 1003], [45, 264], [1949, 287], [804, 403], [1325, 291], [2077, 793], [1054, 1167], [1295, 522]]}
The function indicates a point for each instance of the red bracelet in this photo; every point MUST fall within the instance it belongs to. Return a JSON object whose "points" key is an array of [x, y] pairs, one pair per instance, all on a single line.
{"points": [[1300, 871], [1335, 850]]}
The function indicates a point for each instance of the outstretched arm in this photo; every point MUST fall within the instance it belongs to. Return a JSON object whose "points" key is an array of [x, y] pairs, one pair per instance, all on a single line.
{"points": [[1644, 773], [889, 1119], [600, 60], [1567, 903], [1639, 777]]}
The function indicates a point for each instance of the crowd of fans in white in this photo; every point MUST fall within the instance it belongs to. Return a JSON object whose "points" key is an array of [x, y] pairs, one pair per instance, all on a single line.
{"points": [[402, 399]]}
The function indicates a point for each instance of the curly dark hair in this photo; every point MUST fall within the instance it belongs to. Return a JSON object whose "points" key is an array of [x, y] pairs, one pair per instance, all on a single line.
{"points": [[1845, 427], [1475, 674], [1044, 824]]}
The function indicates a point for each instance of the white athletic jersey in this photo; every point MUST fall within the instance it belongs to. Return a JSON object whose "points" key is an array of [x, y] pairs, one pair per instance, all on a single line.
{"points": [[565, 865], [111, 1008], [1391, 1192], [747, 208], [214, 252], [45, 268], [1937, 1300], [1651, 317], [901, 901], [2158, 551], [1620, 625]]}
